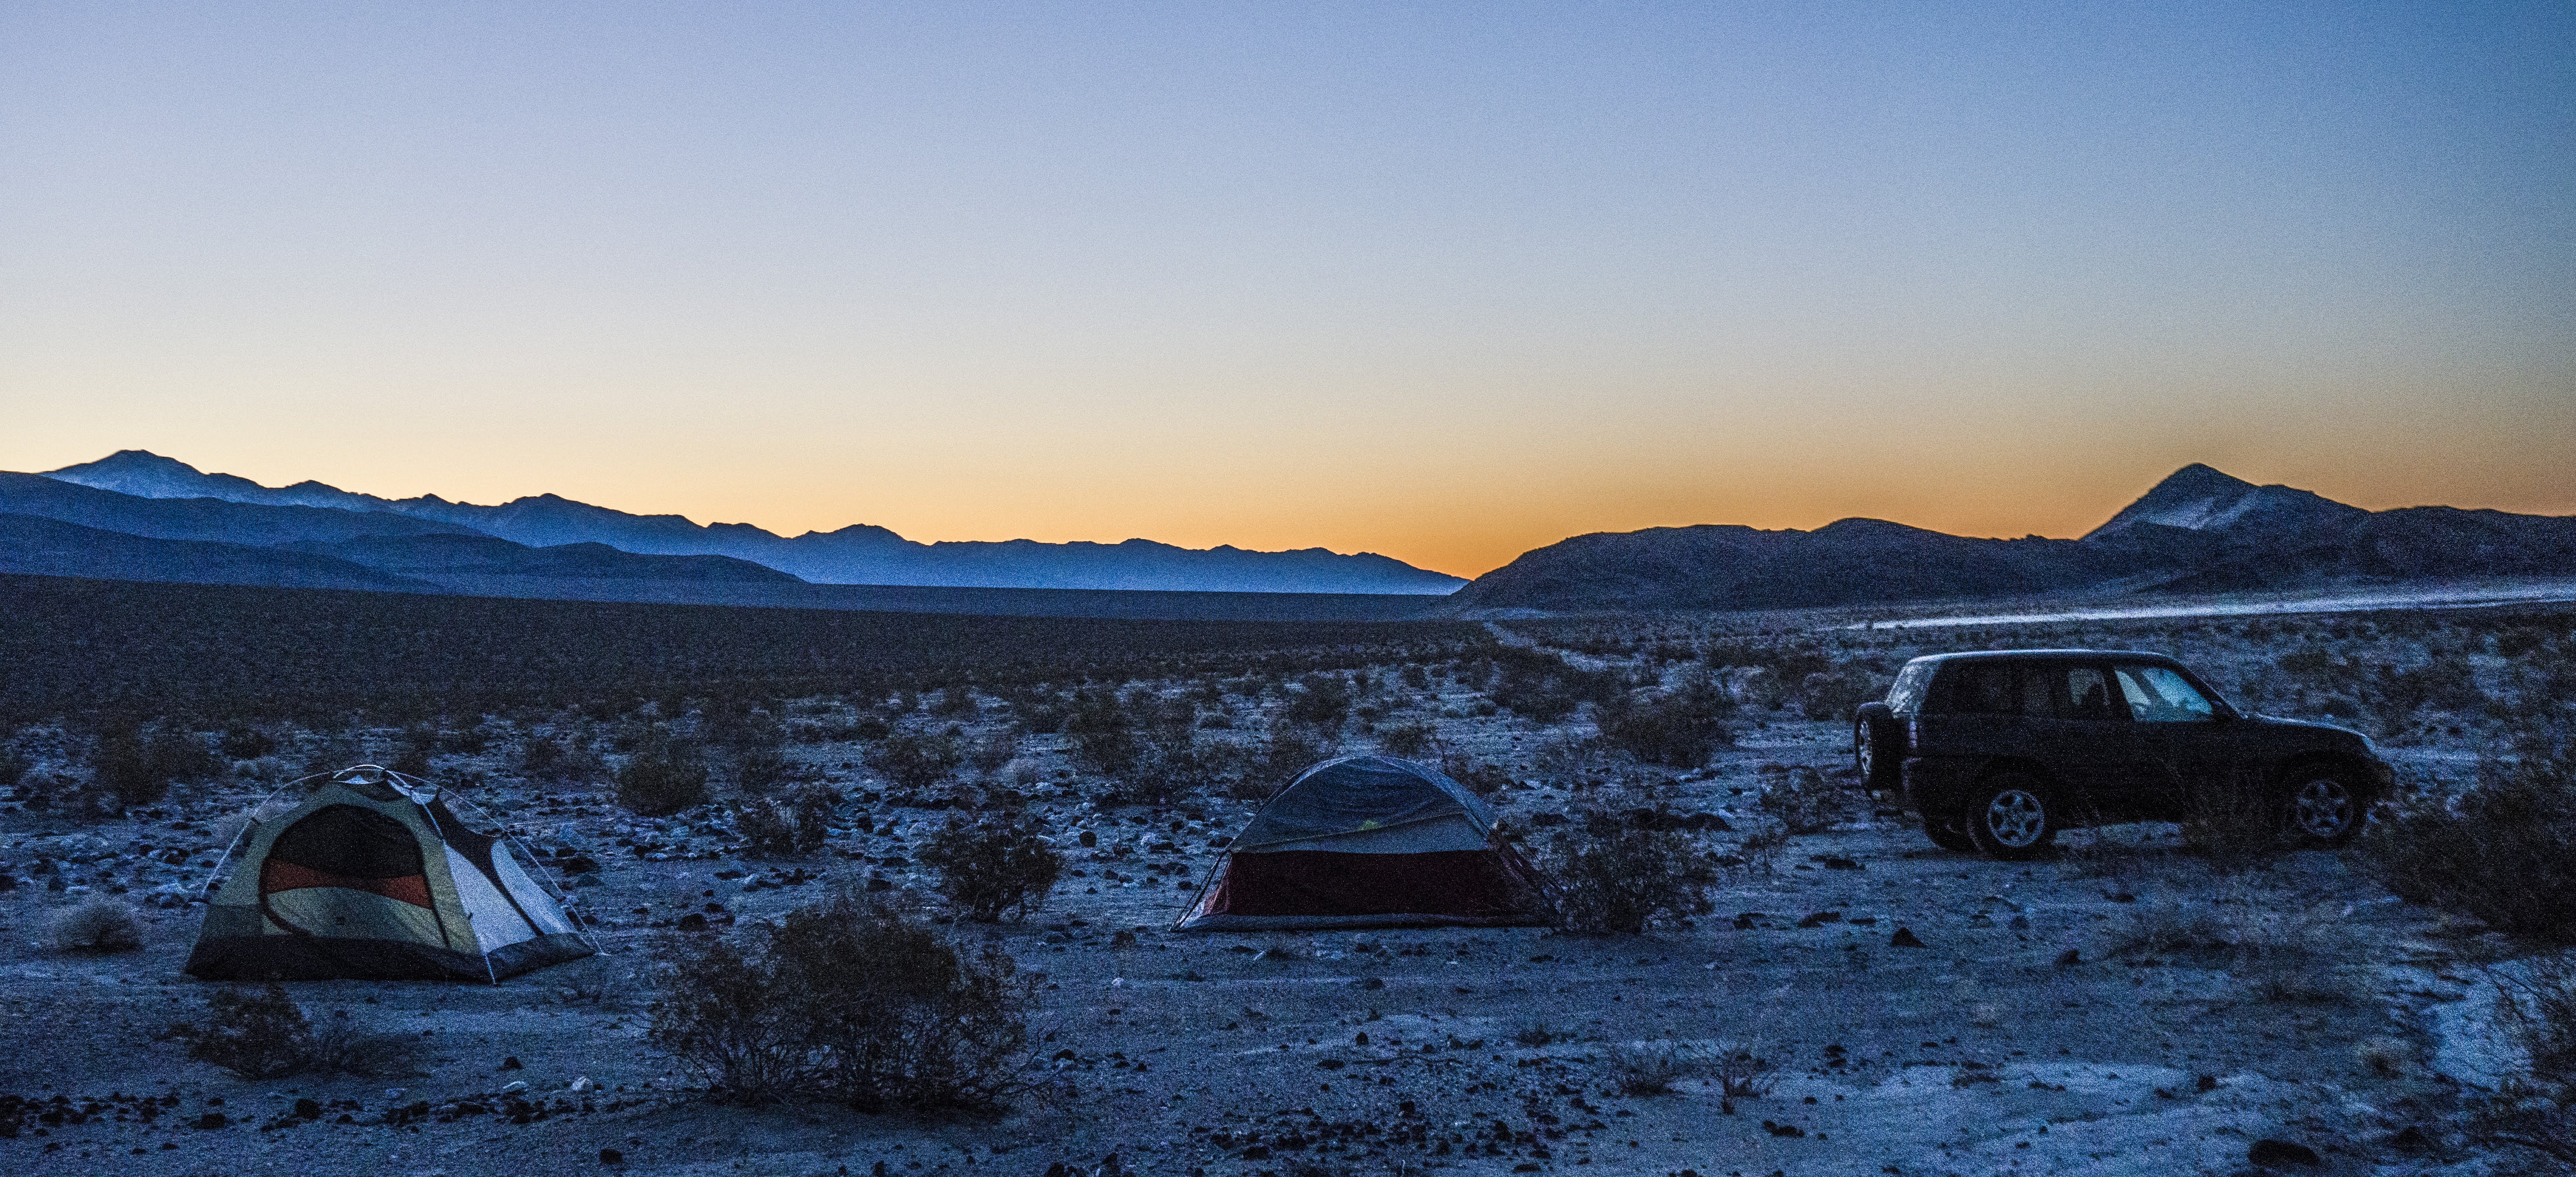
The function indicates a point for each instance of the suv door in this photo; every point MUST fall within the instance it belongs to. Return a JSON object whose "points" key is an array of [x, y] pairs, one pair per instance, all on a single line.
{"points": [[2088, 741], [2178, 730]]}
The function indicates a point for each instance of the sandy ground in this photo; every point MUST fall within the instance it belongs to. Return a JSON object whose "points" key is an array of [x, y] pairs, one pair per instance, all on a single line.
{"points": [[2020, 1037]]}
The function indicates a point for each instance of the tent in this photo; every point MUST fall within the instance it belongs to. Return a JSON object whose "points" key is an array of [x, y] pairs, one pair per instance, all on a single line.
{"points": [[372, 875], [1369, 842]]}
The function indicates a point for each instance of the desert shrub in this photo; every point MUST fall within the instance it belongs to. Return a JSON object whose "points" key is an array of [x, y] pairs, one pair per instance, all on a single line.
{"points": [[539, 758], [1543, 687], [245, 743], [760, 769], [992, 866], [97, 925], [138, 769], [1320, 701], [2292, 955], [1652, 1070], [1405, 739], [917, 760], [664, 776], [2235, 825], [1482, 777], [1837, 693], [954, 701], [786, 825], [1103, 738], [1803, 799], [997, 750], [849, 1002], [267, 1036], [1741, 1074], [2536, 1008], [1613, 875], [2503, 852], [2168, 928], [1760, 845], [1677, 730], [1536, 1032], [1287, 753]]}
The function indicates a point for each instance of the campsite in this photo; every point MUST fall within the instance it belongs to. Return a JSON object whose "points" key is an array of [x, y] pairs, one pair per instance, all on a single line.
{"points": [[1826, 989]]}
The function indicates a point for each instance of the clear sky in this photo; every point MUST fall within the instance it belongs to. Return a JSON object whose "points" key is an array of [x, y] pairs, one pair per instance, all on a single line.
{"points": [[1445, 282]]}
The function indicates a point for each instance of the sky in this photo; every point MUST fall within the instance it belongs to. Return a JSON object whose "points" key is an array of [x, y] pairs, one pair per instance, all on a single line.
{"points": [[1441, 281]]}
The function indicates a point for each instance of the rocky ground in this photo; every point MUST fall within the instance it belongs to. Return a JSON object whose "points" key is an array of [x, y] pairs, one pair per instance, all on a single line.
{"points": [[2119, 1009]]}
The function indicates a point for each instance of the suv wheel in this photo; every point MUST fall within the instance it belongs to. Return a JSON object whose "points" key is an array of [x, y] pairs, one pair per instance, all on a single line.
{"points": [[2321, 809], [2009, 818], [1948, 834]]}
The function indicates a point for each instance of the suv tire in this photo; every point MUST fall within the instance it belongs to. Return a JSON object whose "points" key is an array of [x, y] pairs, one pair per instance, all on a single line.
{"points": [[2319, 806], [2010, 818], [1878, 748], [1949, 833]]}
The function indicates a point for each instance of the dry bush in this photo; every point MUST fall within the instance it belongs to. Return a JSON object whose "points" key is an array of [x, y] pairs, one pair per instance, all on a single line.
{"points": [[1482, 777], [1288, 752], [997, 751], [664, 777], [2536, 1007], [267, 1036], [1613, 875], [138, 769], [1761, 844], [787, 826], [1804, 799], [1536, 1032], [98, 925], [1405, 739], [2503, 852], [1741, 1073], [917, 760], [849, 1002], [992, 866], [761, 769], [2236, 826], [1678, 730], [2168, 928], [1652, 1070]]}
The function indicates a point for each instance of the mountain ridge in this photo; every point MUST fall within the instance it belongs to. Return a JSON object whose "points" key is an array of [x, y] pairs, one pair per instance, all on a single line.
{"points": [[2198, 530], [855, 554]]}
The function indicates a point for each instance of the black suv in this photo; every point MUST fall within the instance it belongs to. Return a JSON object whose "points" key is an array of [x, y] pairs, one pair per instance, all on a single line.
{"points": [[1998, 750]]}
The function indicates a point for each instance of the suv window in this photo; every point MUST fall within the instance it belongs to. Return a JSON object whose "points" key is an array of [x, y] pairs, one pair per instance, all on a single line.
{"points": [[1978, 688], [1906, 697], [2156, 694], [2063, 691]]}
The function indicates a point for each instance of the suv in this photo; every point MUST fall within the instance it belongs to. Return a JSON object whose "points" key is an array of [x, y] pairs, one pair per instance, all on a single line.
{"points": [[1999, 750]]}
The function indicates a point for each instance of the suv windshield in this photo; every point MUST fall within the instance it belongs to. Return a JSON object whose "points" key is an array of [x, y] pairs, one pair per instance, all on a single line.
{"points": [[2157, 694]]}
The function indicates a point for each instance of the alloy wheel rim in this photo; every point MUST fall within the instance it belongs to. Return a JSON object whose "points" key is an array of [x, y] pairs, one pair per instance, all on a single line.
{"points": [[2323, 808], [1868, 752], [2015, 818]]}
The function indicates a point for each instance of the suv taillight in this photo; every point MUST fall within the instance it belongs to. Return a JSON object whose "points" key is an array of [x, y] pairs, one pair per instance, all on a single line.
{"points": [[1913, 731]]}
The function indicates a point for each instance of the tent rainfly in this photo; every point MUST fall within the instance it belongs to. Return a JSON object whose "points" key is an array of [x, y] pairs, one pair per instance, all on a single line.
{"points": [[371, 875], [1369, 842]]}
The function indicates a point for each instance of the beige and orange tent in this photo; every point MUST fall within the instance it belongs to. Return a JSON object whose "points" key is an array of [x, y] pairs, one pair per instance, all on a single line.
{"points": [[372, 874]]}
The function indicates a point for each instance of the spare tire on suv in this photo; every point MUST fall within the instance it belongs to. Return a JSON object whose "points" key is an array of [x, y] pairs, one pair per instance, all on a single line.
{"points": [[1878, 748]]}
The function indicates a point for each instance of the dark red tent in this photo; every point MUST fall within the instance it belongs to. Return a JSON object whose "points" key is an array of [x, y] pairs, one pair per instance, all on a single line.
{"points": [[1369, 842]]}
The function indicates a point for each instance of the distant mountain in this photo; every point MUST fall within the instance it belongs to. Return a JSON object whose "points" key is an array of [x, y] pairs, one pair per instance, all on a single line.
{"points": [[858, 554], [50, 547], [2197, 531]]}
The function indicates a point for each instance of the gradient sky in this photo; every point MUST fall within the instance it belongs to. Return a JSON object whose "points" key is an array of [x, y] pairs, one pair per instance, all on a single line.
{"points": [[1445, 282]]}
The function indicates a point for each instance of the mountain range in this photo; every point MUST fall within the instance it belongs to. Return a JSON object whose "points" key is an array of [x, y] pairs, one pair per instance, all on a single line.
{"points": [[139, 516], [858, 554], [2198, 531]]}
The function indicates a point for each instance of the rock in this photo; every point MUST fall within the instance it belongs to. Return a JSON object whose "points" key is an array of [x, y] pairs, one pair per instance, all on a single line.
{"points": [[2282, 1152], [2410, 1138], [1905, 938], [2070, 958], [510, 1063], [2205, 1083], [584, 1084], [514, 1087], [308, 1109], [212, 1120], [610, 1156], [693, 922]]}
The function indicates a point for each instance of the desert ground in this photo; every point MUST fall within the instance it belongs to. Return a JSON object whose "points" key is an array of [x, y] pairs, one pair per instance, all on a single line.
{"points": [[1848, 998]]}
